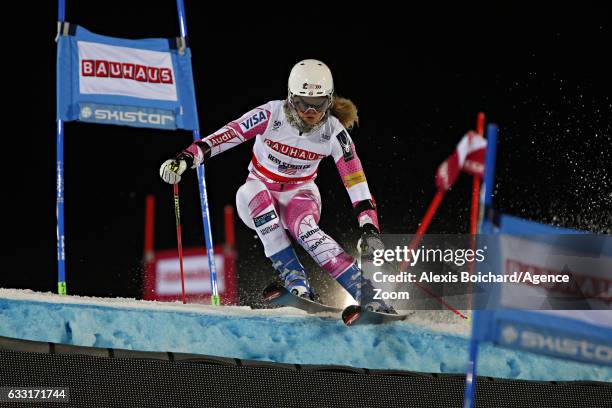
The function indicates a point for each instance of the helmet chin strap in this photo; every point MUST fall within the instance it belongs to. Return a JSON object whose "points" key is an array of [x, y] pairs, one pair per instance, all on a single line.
{"points": [[296, 121]]}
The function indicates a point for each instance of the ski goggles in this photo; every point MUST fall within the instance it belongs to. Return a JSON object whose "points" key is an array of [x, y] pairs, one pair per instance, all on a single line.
{"points": [[304, 103]]}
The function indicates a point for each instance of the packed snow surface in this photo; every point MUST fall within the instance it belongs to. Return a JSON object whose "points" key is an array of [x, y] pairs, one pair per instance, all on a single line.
{"points": [[428, 342]]}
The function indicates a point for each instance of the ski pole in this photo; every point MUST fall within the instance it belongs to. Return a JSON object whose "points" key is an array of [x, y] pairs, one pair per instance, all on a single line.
{"points": [[177, 214]]}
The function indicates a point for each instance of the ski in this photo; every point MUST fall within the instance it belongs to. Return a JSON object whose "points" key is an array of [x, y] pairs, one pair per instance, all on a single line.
{"points": [[278, 295], [355, 315]]}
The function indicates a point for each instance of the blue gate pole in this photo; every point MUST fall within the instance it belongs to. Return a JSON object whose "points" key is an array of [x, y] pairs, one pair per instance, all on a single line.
{"points": [[59, 200], [487, 204], [489, 181], [215, 300]]}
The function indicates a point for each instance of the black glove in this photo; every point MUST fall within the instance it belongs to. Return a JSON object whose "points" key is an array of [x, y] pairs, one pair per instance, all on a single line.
{"points": [[369, 241]]}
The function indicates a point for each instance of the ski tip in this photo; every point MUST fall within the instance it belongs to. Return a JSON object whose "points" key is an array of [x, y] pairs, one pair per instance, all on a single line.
{"points": [[356, 315], [349, 319], [351, 314], [272, 292], [271, 295]]}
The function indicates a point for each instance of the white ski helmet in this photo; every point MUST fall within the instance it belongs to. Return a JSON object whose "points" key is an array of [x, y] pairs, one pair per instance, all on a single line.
{"points": [[311, 78]]}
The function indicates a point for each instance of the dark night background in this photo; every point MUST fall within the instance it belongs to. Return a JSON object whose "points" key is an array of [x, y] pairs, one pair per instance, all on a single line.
{"points": [[418, 77]]}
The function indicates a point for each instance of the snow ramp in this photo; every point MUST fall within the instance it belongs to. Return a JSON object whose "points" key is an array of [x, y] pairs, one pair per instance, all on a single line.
{"points": [[429, 342]]}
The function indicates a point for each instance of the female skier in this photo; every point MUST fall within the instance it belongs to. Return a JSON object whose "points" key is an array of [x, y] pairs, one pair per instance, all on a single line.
{"points": [[292, 136]]}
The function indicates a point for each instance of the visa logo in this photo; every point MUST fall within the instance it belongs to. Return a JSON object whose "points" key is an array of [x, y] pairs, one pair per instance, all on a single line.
{"points": [[253, 121]]}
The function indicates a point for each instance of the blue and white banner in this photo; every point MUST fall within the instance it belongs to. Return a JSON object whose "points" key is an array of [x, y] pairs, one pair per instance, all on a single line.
{"points": [[583, 335], [140, 83]]}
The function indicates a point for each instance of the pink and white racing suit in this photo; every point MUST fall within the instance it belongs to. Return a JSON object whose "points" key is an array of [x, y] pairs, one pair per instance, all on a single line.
{"points": [[279, 193]]}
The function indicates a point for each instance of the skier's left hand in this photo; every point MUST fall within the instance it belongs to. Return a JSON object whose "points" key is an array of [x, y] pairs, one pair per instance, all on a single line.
{"points": [[369, 241]]}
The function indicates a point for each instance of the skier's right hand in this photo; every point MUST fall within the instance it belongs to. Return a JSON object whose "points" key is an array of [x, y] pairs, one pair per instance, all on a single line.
{"points": [[171, 170]]}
